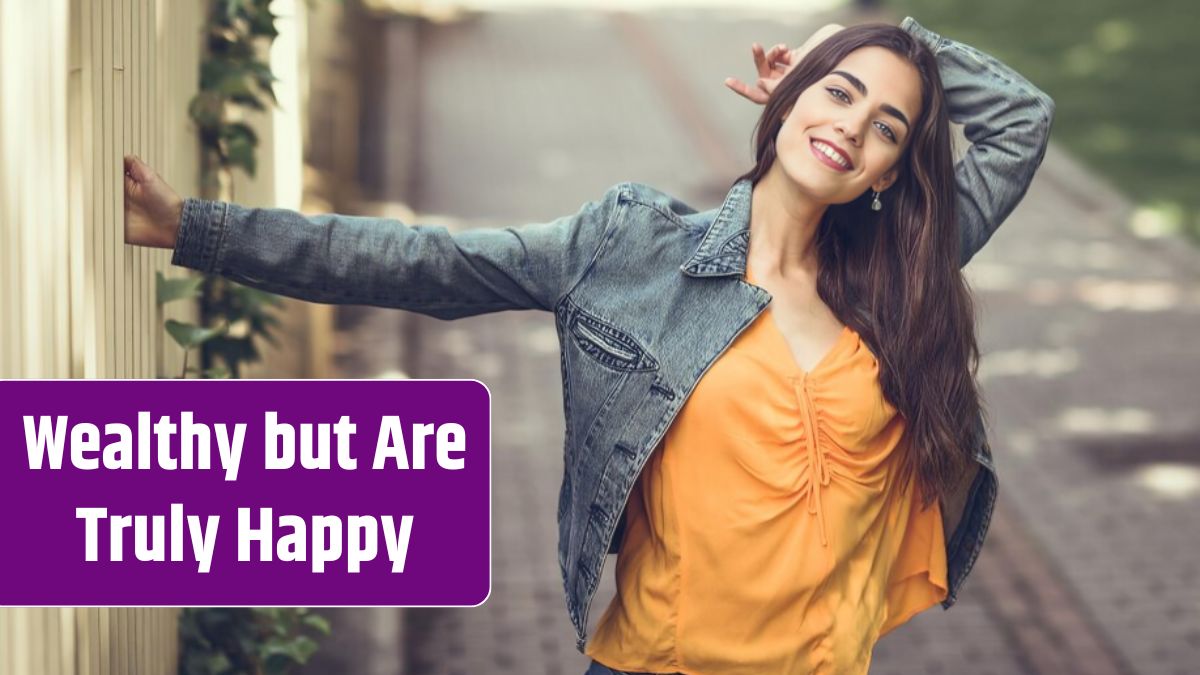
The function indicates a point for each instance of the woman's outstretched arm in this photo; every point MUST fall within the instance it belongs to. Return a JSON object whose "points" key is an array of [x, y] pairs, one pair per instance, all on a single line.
{"points": [[368, 261], [1005, 117], [1007, 120]]}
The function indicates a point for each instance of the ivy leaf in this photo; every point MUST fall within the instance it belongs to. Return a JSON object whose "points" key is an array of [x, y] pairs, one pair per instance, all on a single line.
{"points": [[263, 24], [227, 76], [214, 373], [231, 8], [318, 623], [241, 153], [237, 131], [234, 84], [205, 109], [216, 70], [169, 290], [248, 100], [234, 350], [262, 72], [296, 650], [188, 335]]}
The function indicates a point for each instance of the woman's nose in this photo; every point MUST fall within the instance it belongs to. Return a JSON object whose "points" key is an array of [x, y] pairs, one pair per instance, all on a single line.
{"points": [[850, 128]]}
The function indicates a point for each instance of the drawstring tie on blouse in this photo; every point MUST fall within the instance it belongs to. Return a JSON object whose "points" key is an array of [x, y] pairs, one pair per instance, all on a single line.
{"points": [[819, 474]]}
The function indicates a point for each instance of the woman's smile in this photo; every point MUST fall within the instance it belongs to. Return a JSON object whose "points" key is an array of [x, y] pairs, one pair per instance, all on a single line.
{"points": [[829, 157]]}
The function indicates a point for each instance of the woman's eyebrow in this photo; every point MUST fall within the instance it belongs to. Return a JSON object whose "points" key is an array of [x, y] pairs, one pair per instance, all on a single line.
{"points": [[862, 89]]}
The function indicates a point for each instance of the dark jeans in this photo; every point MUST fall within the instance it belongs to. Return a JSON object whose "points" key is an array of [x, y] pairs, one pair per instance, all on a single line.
{"points": [[597, 668]]}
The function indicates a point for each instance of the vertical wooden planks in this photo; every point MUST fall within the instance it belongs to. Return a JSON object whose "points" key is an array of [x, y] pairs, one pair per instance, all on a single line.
{"points": [[108, 309], [115, 212], [67, 644], [133, 118], [89, 294], [73, 246], [62, 75], [144, 273], [9, 347], [16, 80], [6, 646]]}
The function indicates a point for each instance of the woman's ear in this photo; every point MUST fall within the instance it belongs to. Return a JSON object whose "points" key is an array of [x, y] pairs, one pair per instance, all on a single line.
{"points": [[886, 180]]}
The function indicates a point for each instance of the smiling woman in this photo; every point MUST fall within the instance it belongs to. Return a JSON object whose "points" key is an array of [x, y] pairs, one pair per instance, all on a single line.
{"points": [[770, 406], [861, 116]]}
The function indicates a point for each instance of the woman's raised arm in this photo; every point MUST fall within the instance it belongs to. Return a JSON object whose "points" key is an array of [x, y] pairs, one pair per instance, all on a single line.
{"points": [[370, 261], [1007, 120]]}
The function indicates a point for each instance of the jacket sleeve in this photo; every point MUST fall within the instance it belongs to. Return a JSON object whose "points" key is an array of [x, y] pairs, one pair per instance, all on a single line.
{"points": [[375, 261], [1007, 120]]}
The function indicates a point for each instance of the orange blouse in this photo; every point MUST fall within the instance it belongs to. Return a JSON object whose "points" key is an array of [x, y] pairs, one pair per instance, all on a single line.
{"points": [[766, 533]]}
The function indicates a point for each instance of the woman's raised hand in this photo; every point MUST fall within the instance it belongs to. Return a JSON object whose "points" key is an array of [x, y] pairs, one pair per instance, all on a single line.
{"points": [[772, 66], [775, 64], [152, 209]]}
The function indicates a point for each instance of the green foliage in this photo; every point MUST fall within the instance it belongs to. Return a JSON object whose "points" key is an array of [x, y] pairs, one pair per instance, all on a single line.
{"points": [[247, 641], [232, 74], [188, 335], [176, 289], [1125, 88], [233, 641], [250, 313]]}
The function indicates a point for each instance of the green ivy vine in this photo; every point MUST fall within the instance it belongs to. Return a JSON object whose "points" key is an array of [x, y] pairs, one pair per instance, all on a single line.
{"points": [[247, 641], [233, 318]]}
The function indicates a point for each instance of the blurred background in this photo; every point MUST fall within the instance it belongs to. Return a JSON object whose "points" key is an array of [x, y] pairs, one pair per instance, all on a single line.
{"points": [[501, 112]]}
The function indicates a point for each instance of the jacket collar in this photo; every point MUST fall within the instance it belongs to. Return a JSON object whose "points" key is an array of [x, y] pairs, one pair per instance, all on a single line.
{"points": [[723, 249]]}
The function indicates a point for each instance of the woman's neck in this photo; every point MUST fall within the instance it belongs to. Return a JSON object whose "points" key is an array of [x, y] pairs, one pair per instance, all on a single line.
{"points": [[783, 228]]}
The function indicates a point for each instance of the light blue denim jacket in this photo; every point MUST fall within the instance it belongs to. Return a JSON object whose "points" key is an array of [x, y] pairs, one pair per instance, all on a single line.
{"points": [[647, 293]]}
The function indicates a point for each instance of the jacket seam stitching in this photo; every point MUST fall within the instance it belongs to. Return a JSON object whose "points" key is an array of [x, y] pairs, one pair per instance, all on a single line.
{"points": [[222, 236], [664, 212], [1026, 88], [604, 236]]}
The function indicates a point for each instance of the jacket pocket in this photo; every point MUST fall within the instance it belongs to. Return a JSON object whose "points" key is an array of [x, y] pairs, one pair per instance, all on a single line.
{"points": [[612, 347]]}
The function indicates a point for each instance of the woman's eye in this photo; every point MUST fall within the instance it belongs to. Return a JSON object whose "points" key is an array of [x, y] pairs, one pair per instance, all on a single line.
{"points": [[838, 93], [843, 96]]}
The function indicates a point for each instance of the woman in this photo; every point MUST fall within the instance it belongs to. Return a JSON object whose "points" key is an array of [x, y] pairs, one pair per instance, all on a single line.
{"points": [[829, 476]]}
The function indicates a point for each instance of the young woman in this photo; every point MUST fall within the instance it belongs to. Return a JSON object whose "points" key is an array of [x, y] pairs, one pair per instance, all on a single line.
{"points": [[770, 407]]}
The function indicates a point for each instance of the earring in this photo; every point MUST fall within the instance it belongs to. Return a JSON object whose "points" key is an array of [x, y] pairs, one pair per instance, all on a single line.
{"points": [[876, 205]]}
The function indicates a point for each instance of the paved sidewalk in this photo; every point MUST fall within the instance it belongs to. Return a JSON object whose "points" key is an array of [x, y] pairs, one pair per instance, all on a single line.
{"points": [[1091, 368]]}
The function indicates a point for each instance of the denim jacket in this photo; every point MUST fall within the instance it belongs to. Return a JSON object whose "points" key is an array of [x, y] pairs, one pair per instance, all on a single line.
{"points": [[646, 292]]}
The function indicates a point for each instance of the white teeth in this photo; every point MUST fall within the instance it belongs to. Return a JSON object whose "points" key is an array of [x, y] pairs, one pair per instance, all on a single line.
{"points": [[830, 153]]}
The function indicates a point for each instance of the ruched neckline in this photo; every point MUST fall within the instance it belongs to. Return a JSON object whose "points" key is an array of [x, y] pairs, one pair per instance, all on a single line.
{"points": [[768, 531]]}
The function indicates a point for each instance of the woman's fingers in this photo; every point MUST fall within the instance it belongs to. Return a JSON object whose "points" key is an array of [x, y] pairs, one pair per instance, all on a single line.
{"points": [[135, 169], [765, 61], [760, 58], [756, 95], [152, 208], [777, 53], [772, 65]]}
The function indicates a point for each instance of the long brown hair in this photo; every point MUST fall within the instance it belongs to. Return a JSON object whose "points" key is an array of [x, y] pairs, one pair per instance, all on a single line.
{"points": [[893, 275]]}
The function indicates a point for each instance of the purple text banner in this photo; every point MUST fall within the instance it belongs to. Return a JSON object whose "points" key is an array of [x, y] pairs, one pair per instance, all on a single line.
{"points": [[245, 492]]}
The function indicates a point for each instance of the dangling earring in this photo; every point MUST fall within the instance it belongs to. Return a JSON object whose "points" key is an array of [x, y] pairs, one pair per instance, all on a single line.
{"points": [[876, 205]]}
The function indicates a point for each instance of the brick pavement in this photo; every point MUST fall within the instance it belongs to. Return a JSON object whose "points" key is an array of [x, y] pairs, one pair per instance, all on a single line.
{"points": [[1088, 367]]}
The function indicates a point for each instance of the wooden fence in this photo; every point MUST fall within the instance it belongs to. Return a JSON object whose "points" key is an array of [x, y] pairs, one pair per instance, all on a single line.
{"points": [[83, 82]]}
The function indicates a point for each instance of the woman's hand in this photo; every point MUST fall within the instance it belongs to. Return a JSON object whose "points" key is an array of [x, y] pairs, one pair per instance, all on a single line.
{"points": [[152, 209], [775, 64]]}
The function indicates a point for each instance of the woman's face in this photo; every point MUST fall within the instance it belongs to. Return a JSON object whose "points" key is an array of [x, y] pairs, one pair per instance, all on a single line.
{"points": [[860, 113]]}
